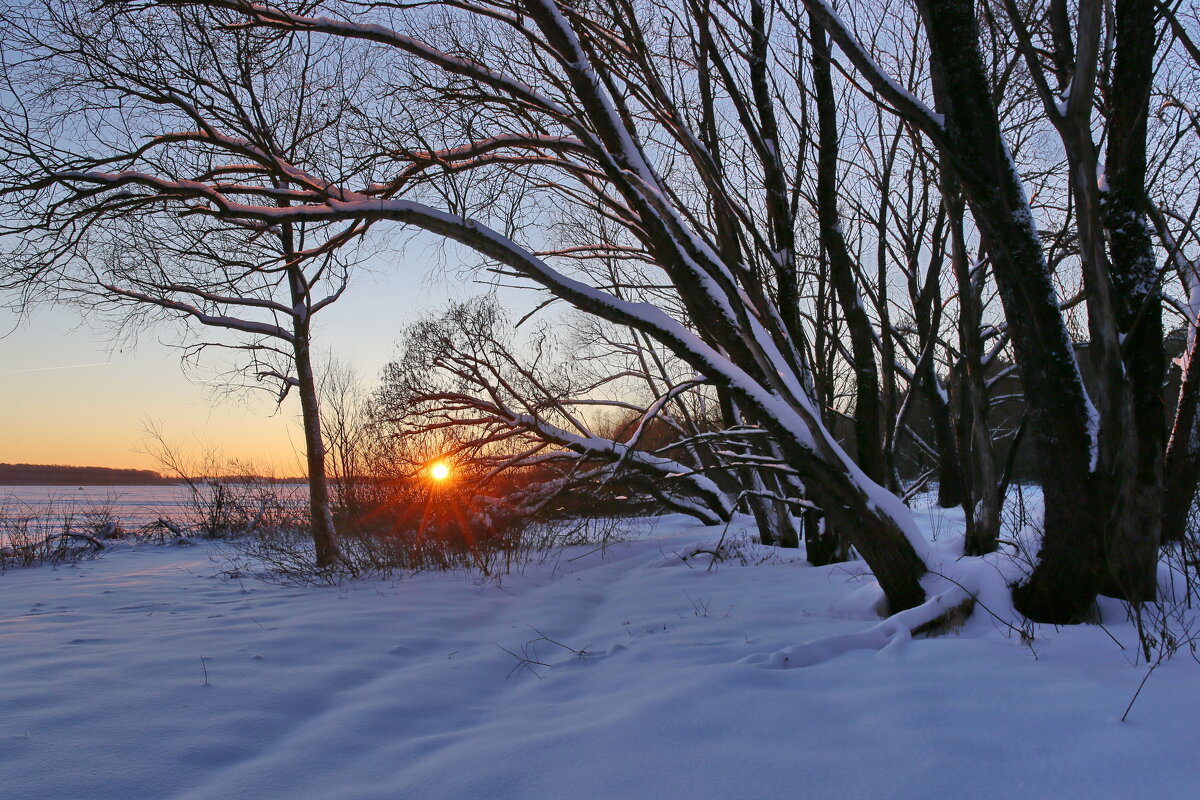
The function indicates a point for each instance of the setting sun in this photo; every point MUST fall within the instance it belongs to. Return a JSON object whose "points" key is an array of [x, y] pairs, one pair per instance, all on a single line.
{"points": [[439, 471]]}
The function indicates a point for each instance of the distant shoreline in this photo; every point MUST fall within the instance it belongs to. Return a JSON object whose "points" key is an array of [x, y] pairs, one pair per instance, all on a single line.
{"points": [[60, 475]]}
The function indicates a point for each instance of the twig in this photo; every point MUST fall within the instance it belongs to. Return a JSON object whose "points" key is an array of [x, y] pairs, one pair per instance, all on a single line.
{"points": [[1101, 626], [1145, 678], [529, 657]]}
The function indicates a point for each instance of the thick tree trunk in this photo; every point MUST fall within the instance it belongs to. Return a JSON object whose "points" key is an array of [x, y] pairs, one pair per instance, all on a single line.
{"points": [[820, 546], [1133, 544], [863, 514], [882, 545], [1068, 576], [871, 523]]}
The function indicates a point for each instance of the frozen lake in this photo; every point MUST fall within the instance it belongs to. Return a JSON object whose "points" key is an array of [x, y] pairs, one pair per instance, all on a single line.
{"points": [[129, 506]]}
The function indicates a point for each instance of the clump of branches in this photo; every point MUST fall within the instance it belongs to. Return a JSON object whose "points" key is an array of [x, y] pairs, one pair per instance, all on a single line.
{"points": [[562, 422], [55, 532], [223, 498], [409, 522], [1170, 625]]}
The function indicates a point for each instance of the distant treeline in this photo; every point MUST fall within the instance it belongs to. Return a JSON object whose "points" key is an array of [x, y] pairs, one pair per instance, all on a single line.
{"points": [[55, 475]]}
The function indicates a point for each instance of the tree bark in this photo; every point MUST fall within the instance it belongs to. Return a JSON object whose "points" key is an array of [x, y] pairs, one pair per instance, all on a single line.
{"points": [[982, 507], [868, 419], [319, 506], [1068, 575], [1133, 545]]}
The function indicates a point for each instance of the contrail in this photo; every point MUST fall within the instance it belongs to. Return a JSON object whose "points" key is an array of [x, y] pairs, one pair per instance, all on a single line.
{"points": [[48, 369]]}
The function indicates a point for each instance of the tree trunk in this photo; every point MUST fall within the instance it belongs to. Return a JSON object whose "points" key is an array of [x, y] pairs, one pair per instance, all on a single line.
{"points": [[319, 506], [982, 507], [772, 517], [774, 520], [868, 421], [1182, 462], [864, 515], [893, 426], [951, 491], [927, 312], [320, 509], [820, 546], [1068, 575], [1133, 544]]}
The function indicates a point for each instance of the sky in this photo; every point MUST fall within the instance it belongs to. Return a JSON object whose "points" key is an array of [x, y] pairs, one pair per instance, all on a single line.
{"points": [[68, 395]]}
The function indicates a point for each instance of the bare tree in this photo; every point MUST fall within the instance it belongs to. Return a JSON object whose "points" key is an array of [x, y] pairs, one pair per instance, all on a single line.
{"points": [[1102, 457], [345, 426], [691, 139], [460, 376], [101, 206], [580, 126]]}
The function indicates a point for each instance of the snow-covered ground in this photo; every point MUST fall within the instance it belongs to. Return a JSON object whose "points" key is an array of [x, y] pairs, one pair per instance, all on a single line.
{"points": [[144, 675]]}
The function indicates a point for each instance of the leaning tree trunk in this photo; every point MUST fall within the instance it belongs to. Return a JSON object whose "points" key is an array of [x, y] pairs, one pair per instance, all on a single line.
{"points": [[873, 532], [735, 349]]}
